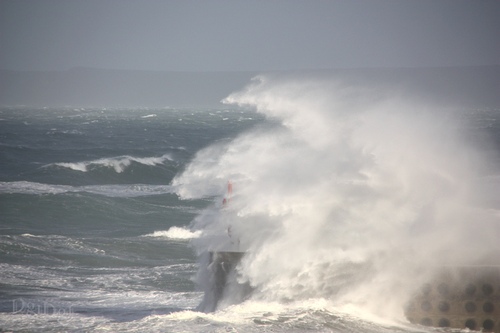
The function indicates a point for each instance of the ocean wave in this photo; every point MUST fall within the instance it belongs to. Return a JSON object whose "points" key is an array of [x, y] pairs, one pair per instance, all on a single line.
{"points": [[44, 248], [129, 190], [340, 177], [118, 163], [176, 233]]}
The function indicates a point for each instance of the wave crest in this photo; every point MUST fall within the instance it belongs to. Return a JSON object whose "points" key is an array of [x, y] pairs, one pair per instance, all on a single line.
{"points": [[176, 233], [119, 163]]}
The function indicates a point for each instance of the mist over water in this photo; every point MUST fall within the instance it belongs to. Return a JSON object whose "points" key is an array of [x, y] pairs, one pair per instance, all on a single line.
{"points": [[353, 194]]}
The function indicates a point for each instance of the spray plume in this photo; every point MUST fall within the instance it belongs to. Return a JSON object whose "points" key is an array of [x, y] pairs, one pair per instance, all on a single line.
{"points": [[347, 193]]}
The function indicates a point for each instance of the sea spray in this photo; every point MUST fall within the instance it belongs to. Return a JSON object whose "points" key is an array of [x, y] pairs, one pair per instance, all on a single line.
{"points": [[349, 194]]}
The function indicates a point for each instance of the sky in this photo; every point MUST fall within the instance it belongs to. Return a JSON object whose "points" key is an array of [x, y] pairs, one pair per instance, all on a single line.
{"points": [[235, 35]]}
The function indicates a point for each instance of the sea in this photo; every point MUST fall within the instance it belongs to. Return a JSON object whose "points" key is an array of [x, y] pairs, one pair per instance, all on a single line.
{"points": [[342, 201]]}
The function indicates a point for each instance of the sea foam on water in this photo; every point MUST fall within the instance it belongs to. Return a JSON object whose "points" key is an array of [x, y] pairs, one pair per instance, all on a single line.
{"points": [[353, 194]]}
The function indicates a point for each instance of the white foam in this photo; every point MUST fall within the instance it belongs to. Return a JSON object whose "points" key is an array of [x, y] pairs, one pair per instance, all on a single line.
{"points": [[118, 163], [134, 190], [79, 166], [25, 187], [176, 233], [126, 190]]}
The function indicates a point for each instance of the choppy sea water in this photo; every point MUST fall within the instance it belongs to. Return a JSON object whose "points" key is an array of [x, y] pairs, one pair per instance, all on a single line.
{"points": [[104, 212], [92, 231]]}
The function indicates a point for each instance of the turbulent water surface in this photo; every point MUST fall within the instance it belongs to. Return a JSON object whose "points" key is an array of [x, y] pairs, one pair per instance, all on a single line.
{"points": [[342, 198]]}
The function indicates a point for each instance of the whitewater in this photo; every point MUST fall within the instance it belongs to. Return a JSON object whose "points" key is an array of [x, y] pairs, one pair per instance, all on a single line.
{"points": [[353, 195], [345, 199]]}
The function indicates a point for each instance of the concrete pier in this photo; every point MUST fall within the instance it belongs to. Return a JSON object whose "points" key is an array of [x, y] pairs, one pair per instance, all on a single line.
{"points": [[221, 265], [459, 297]]}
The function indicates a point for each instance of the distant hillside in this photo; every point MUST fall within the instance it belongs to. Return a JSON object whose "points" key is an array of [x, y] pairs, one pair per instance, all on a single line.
{"points": [[84, 87]]}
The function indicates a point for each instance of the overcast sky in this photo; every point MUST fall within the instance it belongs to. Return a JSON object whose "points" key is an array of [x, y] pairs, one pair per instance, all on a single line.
{"points": [[247, 35]]}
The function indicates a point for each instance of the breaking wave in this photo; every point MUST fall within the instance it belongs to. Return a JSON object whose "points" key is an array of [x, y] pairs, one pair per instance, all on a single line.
{"points": [[176, 233], [350, 194], [119, 163]]}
